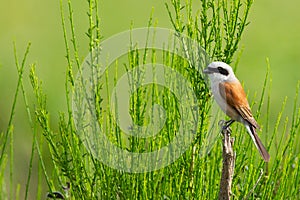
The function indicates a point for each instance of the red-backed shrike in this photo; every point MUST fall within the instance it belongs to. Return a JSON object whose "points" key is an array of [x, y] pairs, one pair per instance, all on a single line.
{"points": [[230, 95]]}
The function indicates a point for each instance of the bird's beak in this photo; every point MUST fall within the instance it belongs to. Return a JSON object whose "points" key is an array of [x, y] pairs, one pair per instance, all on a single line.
{"points": [[210, 70], [207, 71]]}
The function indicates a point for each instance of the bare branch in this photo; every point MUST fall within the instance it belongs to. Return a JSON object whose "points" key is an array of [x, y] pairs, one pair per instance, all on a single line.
{"points": [[228, 164]]}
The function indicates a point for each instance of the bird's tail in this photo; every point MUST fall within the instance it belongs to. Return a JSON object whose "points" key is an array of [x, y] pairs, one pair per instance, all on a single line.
{"points": [[261, 148]]}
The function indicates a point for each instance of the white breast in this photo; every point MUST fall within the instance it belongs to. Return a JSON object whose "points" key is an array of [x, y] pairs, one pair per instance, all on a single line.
{"points": [[217, 96]]}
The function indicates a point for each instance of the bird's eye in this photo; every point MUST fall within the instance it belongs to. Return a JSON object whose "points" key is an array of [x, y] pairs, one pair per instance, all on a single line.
{"points": [[223, 71]]}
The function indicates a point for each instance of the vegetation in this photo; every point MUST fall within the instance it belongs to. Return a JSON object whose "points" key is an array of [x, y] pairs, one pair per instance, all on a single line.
{"points": [[75, 173]]}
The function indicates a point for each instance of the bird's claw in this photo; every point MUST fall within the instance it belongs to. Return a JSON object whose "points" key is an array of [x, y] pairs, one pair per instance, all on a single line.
{"points": [[224, 125]]}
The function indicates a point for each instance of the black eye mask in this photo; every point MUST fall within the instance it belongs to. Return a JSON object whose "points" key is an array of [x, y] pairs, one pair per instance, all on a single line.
{"points": [[223, 71]]}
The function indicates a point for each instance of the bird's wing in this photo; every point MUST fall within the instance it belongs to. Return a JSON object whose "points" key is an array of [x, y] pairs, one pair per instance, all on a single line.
{"points": [[235, 96]]}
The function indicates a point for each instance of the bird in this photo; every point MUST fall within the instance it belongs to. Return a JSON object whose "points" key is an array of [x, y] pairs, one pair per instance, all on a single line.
{"points": [[231, 97]]}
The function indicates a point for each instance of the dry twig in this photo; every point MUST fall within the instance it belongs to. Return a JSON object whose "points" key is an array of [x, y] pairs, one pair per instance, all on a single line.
{"points": [[228, 164]]}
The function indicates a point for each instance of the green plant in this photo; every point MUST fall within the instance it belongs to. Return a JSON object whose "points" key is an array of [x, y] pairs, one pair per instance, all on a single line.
{"points": [[76, 174]]}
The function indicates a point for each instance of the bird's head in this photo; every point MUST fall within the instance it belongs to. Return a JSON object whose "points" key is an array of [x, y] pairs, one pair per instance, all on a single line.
{"points": [[220, 71]]}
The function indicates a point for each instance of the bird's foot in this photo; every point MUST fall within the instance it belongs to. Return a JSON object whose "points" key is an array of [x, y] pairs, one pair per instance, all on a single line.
{"points": [[225, 125]]}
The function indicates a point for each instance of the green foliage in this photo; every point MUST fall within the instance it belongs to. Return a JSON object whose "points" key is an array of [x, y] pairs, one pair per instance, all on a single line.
{"points": [[76, 174], [217, 25]]}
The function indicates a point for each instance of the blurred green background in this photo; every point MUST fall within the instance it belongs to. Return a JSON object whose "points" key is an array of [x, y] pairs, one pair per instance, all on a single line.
{"points": [[274, 32]]}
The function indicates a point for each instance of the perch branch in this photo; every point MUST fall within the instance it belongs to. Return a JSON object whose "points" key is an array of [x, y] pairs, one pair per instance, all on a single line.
{"points": [[228, 163]]}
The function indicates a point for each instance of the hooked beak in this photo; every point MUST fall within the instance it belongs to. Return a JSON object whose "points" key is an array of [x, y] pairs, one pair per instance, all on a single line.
{"points": [[210, 70], [206, 71]]}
